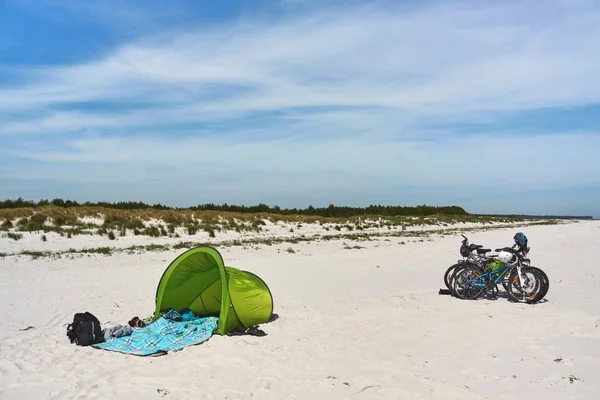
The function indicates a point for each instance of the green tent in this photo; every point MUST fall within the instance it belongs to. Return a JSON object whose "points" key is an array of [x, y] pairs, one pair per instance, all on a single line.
{"points": [[199, 280]]}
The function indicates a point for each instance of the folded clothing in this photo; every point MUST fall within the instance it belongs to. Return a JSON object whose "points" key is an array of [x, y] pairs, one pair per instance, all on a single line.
{"points": [[116, 331], [185, 315]]}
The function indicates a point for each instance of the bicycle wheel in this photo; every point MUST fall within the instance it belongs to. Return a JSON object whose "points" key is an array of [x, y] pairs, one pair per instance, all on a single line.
{"points": [[448, 275], [468, 283], [530, 289], [450, 271], [546, 282], [455, 273]]}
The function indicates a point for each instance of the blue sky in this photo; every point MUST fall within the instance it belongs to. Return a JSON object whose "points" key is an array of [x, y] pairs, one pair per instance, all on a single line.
{"points": [[494, 106]]}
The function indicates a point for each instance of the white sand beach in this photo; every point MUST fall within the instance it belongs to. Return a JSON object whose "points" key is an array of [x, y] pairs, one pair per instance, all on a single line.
{"points": [[354, 323]]}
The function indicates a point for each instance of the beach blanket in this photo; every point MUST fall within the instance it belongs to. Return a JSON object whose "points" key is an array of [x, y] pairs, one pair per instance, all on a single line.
{"points": [[164, 335]]}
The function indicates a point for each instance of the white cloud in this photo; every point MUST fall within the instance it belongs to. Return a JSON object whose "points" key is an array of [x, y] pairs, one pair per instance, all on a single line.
{"points": [[433, 60]]}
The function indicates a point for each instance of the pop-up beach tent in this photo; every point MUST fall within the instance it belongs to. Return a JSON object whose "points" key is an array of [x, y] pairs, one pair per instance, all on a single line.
{"points": [[199, 280]]}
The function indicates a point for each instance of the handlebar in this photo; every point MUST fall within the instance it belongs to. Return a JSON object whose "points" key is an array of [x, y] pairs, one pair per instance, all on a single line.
{"points": [[519, 253], [465, 240]]}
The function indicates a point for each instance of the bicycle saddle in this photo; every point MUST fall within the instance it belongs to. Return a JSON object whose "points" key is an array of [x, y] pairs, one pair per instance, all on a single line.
{"points": [[509, 249]]}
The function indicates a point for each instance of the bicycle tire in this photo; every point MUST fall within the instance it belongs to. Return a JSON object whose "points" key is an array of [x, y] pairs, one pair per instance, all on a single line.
{"points": [[532, 296], [456, 271], [450, 271], [546, 281], [448, 275], [463, 290]]}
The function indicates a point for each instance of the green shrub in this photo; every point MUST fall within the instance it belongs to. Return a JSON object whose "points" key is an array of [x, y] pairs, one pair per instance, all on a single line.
{"points": [[30, 226], [39, 219], [6, 225], [59, 221], [134, 223], [152, 231], [34, 254], [97, 250], [14, 236], [183, 245]]}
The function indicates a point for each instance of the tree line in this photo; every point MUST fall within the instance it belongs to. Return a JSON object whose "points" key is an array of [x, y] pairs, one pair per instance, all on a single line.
{"points": [[330, 211]]}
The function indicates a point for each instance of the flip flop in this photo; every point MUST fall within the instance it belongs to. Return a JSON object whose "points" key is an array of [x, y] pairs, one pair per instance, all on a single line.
{"points": [[254, 331]]}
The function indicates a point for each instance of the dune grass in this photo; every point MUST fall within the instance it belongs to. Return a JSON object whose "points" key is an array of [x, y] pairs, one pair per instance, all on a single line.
{"points": [[39, 218], [419, 236], [158, 223]]}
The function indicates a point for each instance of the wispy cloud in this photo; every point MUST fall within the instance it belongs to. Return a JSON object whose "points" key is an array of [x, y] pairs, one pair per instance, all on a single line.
{"points": [[353, 88]]}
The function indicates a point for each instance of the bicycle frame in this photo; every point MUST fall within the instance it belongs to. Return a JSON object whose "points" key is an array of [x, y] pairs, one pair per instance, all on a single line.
{"points": [[499, 273]]}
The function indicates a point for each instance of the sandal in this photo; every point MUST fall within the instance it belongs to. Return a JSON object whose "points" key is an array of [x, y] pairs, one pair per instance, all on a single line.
{"points": [[254, 331]]}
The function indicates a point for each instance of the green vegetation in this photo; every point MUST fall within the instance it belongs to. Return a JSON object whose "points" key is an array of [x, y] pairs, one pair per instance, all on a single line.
{"points": [[97, 250], [6, 225], [14, 236], [331, 211], [355, 237], [35, 254], [69, 218]]}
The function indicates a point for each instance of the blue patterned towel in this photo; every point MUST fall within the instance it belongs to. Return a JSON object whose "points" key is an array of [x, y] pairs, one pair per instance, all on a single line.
{"points": [[163, 335]]}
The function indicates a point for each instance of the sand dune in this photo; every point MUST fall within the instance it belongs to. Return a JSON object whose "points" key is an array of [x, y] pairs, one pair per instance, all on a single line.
{"points": [[359, 323]]}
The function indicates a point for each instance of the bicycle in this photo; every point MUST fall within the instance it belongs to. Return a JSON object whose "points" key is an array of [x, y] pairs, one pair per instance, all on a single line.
{"points": [[525, 284], [470, 259], [522, 248]]}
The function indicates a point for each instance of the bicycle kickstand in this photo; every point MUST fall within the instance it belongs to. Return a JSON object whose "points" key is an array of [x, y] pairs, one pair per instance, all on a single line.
{"points": [[494, 292]]}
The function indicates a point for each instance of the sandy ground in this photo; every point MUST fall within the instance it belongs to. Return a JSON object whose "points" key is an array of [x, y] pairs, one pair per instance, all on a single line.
{"points": [[353, 323]]}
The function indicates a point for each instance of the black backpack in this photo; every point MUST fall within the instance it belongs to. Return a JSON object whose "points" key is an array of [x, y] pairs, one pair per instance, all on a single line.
{"points": [[85, 330]]}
